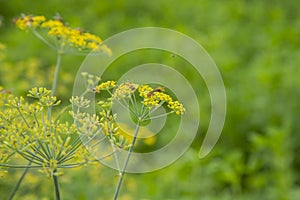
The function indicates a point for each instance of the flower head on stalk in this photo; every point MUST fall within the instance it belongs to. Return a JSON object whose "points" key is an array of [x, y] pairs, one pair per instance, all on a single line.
{"points": [[62, 37], [50, 144], [139, 100]]}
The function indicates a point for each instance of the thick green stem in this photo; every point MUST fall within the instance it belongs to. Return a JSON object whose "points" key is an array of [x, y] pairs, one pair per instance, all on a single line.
{"points": [[56, 187], [126, 163]]}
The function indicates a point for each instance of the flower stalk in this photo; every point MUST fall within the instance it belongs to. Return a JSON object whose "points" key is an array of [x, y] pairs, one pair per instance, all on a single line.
{"points": [[13, 193], [116, 194], [56, 186], [56, 73]]}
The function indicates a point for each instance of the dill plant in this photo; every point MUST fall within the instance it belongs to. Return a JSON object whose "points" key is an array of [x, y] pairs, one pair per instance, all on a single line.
{"points": [[31, 130]]}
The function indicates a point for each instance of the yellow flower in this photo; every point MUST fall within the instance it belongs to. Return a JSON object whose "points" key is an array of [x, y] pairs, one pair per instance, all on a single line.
{"points": [[153, 97], [74, 37], [29, 21], [106, 86], [91, 37], [59, 31], [92, 45], [176, 107], [125, 90], [144, 90], [65, 35], [52, 23]]}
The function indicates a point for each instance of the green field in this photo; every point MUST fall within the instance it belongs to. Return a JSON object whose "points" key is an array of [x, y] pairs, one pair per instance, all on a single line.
{"points": [[256, 46]]}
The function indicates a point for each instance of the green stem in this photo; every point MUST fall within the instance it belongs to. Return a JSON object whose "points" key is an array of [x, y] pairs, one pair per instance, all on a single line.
{"points": [[54, 85], [56, 73], [126, 163], [43, 39], [162, 115], [11, 196], [55, 80], [56, 186], [13, 193], [23, 117]]}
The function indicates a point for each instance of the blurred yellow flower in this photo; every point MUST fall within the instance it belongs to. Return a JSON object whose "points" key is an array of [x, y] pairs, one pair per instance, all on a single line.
{"points": [[29, 21], [51, 23], [65, 36]]}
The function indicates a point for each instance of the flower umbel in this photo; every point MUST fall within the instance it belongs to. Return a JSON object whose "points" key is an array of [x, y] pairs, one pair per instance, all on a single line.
{"points": [[105, 86], [50, 144], [31, 129], [64, 38], [125, 90]]}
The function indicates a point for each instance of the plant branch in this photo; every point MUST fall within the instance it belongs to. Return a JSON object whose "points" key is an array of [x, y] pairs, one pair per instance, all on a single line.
{"points": [[56, 186], [126, 163], [13, 193], [43, 39], [56, 73]]}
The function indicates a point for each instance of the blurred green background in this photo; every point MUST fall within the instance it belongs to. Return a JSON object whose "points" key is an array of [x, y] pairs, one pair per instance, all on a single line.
{"points": [[255, 44]]}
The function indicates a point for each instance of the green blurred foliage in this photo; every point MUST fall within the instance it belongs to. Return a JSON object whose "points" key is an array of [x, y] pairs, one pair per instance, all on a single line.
{"points": [[256, 46]]}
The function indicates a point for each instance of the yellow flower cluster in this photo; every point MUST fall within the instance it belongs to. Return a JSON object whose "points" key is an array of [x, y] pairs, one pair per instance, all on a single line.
{"points": [[74, 37], [65, 35], [153, 97], [39, 92], [144, 90], [52, 23], [5, 95], [80, 102], [176, 107], [111, 129], [47, 142], [44, 96], [106, 86], [29, 21], [125, 90]]}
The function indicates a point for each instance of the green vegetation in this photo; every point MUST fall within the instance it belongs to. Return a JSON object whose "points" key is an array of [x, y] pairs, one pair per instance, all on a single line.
{"points": [[256, 46]]}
